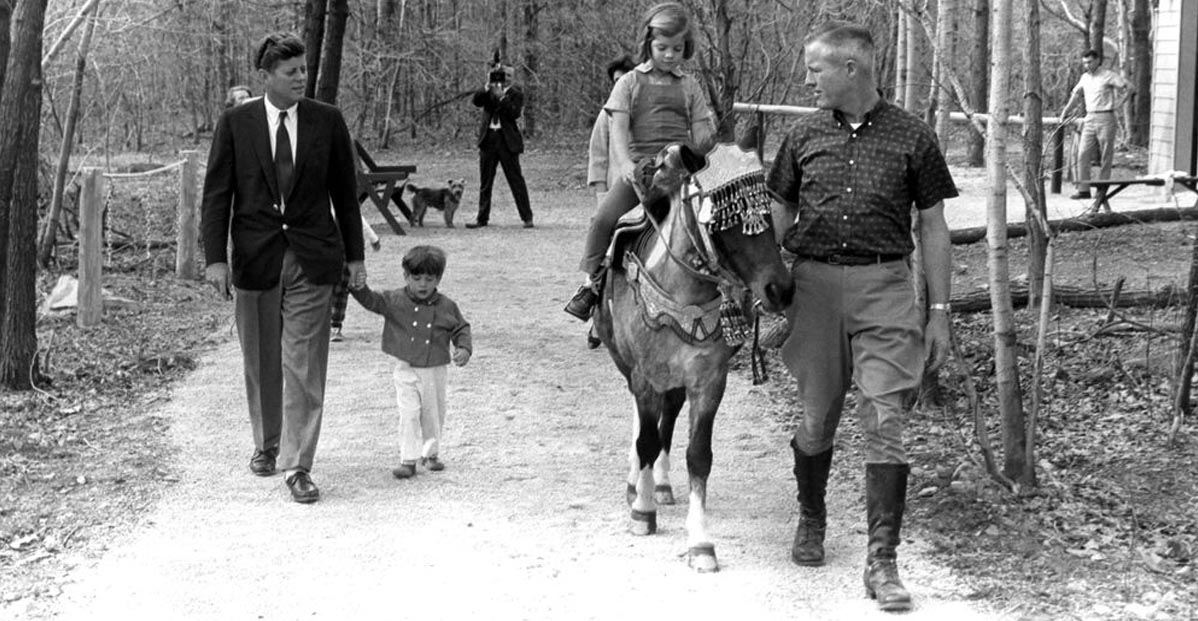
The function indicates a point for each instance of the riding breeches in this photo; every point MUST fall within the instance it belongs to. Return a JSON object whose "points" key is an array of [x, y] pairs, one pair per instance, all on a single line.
{"points": [[420, 395], [620, 199], [855, 324]]}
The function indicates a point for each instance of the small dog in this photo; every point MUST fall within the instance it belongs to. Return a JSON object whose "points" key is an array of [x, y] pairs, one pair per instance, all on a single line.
{"points": [[446, 199]]}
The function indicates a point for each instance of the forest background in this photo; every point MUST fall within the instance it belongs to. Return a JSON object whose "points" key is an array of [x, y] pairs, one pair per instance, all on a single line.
{"points": [[159, 71]]}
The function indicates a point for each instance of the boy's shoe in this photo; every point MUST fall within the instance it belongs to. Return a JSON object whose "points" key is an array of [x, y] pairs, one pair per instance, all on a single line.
{"points": [[404, 471], [1085, 196], [434, 464], [582, 303], [377, 245], [593, 341], [336, 337]]}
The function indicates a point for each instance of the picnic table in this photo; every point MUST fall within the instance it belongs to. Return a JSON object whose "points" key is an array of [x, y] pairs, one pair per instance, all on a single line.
{"points": [[383, 184], [1108, 188]]}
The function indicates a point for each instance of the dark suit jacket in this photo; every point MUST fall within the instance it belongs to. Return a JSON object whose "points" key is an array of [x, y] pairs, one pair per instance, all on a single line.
{"points": [[240, 195], [508, 108]]}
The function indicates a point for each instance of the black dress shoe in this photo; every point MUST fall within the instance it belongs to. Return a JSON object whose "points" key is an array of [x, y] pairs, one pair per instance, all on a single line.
{"points": [[475, 225], [1085, 196], [263, 461], [303, 490], [528, 224]]}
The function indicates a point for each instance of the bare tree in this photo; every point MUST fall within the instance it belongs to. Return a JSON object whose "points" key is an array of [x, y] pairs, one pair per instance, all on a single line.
{"points": [[1141, 52], [20, 111], [979, 73], [329, 81], [1006, 363], [532, 65], [50, 226], [314, 19], [1097, 25]]}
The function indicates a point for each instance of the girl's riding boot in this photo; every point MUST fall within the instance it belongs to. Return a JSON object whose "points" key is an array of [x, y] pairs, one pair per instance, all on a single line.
{"points": [[811, 475], [583, 302], [885, 500]]}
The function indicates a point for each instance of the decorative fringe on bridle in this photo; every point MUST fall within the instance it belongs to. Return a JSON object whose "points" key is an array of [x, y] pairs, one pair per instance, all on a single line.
{"points": [[744, 199]]}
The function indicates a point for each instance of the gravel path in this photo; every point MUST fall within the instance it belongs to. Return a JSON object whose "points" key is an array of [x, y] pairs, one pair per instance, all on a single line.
{"points": [[529, 519]]}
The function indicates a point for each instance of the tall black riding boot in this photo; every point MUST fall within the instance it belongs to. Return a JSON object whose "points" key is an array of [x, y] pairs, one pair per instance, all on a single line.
{"points": [[811, 475], [885, 501]]}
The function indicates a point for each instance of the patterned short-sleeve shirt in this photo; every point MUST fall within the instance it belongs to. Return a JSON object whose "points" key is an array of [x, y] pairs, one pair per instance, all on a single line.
{"points": [[854, 188]]}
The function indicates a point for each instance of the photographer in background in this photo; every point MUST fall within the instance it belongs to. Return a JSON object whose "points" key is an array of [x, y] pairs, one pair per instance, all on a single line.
{"points": [[500, 142]]}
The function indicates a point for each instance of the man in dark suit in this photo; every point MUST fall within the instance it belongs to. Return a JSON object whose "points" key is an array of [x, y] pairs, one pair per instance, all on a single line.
{"points": [[500, 143], [275, 166]]}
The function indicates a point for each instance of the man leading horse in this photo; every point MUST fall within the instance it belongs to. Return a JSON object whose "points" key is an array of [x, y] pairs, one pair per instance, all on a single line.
{"points": [[845, 179]]}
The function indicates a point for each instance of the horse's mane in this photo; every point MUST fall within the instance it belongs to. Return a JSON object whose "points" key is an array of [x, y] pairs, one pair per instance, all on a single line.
{"points": [[658, 209]]}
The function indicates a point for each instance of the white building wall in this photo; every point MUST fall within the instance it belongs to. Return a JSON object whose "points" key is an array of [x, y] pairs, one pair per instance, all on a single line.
{"points": [[1166, 48]]}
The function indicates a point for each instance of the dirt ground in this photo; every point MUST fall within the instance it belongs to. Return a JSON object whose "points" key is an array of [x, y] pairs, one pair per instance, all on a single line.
{"points": [[529, 519]]}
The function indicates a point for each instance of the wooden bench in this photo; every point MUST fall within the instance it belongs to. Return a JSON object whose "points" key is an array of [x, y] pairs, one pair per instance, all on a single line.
{"points": [[383, 184], [1107, 188]]}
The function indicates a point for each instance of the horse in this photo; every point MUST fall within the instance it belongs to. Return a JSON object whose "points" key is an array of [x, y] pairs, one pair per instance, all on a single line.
{"points": [[669, 318]]}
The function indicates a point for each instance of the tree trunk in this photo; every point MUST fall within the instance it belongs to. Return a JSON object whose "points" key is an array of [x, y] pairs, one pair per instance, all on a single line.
{"points": [[918, 77], [20, 112], [330, 57], [902, 29], [1006, 361], [946, 50], [50, 226], [1033, 156], [724, 88], [1084, 223], [1183, 382], [314, 18], [5, 38], [1141, 45], [979, 70], [978, 300], [532, 63], [1097, 25]]}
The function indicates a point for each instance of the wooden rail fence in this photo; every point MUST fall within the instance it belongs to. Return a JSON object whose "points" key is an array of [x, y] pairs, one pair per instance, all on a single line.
{"points": [[90, 311]]}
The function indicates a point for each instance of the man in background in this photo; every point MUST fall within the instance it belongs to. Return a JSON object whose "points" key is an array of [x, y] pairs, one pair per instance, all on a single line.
{"points": [[1104, 92], [500, 143]]}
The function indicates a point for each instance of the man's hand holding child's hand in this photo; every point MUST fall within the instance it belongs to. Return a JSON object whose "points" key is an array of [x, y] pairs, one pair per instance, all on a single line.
{"points": [[461, 357]]}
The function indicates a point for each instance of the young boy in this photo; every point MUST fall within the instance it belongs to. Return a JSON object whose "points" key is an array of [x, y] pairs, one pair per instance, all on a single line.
{"points": [[420, 325]]}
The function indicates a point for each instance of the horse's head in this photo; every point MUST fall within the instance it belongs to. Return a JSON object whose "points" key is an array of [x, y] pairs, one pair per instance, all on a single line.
{"points": [[729, 206]]}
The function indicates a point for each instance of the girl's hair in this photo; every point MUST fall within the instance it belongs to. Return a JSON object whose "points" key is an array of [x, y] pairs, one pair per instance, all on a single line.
{"points": [[428, 260], [667, 19]]}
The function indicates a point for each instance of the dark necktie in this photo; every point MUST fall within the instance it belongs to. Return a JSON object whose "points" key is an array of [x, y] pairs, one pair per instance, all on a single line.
{"points": [[284, 164]]}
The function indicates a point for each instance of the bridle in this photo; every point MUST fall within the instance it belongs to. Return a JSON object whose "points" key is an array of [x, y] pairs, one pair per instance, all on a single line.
{"points": [[741, 200]]}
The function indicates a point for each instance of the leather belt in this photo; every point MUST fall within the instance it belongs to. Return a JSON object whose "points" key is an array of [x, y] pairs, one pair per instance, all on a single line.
{"points": [[854, 259], [1103, 112]]}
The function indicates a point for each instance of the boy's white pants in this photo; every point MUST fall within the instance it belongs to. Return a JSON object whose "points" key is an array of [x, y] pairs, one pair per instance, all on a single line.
{"points": [[420, 395]]}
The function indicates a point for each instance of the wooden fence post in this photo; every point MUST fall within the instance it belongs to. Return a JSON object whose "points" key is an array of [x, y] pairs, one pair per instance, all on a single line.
{"points": [[90, 309], [187, 232]]}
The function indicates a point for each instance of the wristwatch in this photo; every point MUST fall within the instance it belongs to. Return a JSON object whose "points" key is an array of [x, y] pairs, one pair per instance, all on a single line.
{"points": [[946, 307]]}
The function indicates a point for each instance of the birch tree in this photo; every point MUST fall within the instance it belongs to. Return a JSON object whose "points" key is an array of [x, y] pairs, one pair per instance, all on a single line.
{"points": [[1006, 363]]}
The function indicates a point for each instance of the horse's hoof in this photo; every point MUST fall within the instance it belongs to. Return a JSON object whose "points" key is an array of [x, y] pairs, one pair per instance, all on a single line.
{"points": [[702, 559], [643, 523], [630, 494], [663, 495]]}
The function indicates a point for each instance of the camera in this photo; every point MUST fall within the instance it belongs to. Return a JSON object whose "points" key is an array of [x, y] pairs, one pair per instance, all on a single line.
{"points": [[497, 76]]}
